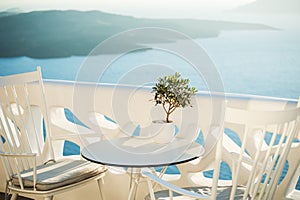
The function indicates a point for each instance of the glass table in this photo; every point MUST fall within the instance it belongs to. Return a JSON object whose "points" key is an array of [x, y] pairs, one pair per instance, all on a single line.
{"points": [[137, 153]]}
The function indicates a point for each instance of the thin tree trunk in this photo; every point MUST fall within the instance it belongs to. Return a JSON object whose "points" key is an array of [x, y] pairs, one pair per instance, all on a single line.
{"points": [[167, 118]]}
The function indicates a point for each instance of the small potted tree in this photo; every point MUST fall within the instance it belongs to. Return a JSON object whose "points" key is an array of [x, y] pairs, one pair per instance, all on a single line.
{"points": [[173, 92]]}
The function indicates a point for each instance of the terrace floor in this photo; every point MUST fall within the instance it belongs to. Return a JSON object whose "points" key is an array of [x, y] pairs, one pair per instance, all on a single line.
{"points": [[2, 197]]}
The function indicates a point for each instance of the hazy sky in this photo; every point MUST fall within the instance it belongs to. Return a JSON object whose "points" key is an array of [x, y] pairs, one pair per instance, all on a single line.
{"points": [[138, 8]]}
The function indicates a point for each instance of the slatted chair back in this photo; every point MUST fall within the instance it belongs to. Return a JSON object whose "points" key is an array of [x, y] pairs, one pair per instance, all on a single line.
{"points": [[273, 132], [26, 149], [21, 124]]}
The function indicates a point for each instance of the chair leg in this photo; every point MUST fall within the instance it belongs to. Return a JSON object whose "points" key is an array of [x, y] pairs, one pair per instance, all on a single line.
{"points": [[100, 186], [48, 198], [14, 196]]}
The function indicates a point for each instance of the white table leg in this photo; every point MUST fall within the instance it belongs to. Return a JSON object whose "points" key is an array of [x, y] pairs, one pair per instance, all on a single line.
{"points": [[134, 181], [150, 188], [162, 172]]}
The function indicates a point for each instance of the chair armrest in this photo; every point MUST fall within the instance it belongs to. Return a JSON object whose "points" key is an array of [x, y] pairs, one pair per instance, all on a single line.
{"points": [[172, 187]]}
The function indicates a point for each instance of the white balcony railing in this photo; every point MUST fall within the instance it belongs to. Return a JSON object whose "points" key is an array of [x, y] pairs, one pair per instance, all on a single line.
{"points": [[93, 104]]}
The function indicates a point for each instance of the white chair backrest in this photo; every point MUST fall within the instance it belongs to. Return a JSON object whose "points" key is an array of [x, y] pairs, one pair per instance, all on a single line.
{"points": [[269, 157], [21, 124]]}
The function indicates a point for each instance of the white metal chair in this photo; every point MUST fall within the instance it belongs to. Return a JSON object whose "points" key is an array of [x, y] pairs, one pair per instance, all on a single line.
{"points": [[26, 152], [273, 132], [265, 165]]}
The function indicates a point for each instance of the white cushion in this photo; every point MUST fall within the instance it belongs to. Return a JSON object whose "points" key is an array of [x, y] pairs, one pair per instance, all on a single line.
{"points": [[58, 174]]}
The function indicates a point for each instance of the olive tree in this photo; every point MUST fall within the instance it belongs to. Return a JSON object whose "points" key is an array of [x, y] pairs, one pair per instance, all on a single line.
{"points": [[173, 92]]}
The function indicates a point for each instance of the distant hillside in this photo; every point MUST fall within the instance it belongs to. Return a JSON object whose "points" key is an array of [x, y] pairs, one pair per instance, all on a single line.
{"points": [[271, 7], [46, 34]]}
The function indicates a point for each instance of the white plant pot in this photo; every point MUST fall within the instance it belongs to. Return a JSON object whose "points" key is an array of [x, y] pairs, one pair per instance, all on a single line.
{"points": [[163, 132]]}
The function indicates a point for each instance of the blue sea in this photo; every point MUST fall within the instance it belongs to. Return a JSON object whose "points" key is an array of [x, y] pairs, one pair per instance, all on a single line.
{"points": [[265, 63], [249, 62]]}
